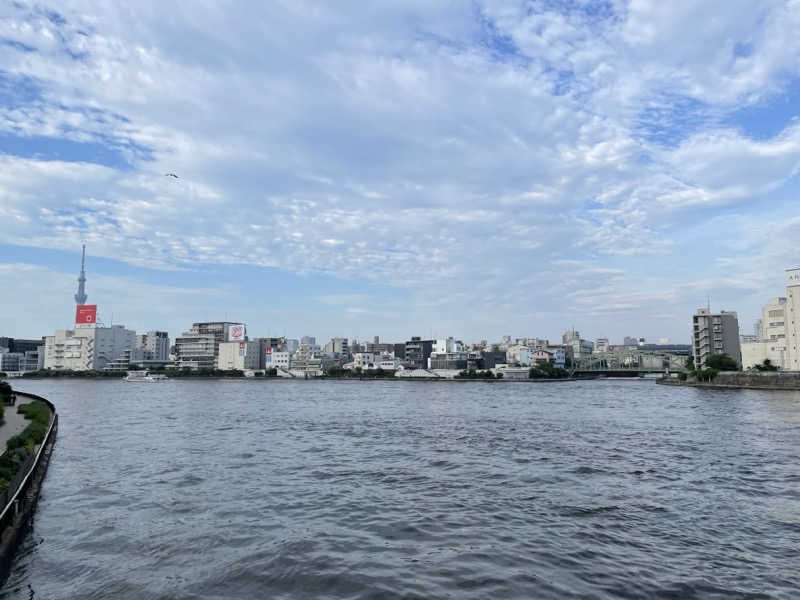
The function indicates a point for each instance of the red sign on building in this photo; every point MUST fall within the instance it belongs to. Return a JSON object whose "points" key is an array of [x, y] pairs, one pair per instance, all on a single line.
{"points": [[85, 313]]}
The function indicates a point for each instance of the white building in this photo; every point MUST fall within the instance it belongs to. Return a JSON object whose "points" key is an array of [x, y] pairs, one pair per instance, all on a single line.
{"points": [[771, 340], [601, 345], [792, 319], [365, 360], [447, 345], [277, 358], [86, 348], [239, 355], [754, 353], [370, 360]]}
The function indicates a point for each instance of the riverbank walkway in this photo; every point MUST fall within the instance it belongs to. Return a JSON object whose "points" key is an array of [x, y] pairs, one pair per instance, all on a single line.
{"points": [[15, 423]]}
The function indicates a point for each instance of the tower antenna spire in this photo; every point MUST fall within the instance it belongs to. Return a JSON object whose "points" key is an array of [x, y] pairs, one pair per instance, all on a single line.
{"points": [[81, 296]]}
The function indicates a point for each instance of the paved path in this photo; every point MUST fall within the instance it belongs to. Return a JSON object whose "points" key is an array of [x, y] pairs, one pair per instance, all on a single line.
{"points": [[15, 423]]}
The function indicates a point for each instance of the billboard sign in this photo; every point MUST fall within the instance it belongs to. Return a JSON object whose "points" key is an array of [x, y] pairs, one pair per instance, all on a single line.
{"points": [[236, 333], [792, 277], [85, 314], [242, 349]]}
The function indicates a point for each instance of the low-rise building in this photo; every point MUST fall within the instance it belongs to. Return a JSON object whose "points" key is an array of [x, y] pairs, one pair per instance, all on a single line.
{"points": [[492, 358], [755, 353], [454, 360], [417, 352], [247, 355], [559, 356], [11, 362], [369, 360], [518, 354], [34, 359], [770, 341], [280, 359]]}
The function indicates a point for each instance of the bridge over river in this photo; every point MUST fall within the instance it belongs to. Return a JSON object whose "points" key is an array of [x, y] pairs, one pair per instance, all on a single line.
{"points": [[630, 364]]}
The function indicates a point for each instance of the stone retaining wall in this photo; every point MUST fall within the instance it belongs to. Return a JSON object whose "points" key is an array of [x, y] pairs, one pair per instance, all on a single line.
{"points": [[775, 380]]}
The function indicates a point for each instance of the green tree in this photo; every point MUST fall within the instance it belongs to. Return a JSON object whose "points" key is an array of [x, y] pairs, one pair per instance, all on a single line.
{"points": [[707, 374], [5, 393], [766, 366], [545, 370], [721, 362]]}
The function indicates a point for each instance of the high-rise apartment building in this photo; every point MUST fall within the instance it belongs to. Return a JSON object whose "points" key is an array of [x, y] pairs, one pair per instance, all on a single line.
{"points": [[792, 319], [715, 333]]}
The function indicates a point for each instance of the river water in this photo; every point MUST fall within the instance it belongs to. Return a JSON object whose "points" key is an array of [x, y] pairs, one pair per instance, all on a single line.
{"points": [[356, 490]]}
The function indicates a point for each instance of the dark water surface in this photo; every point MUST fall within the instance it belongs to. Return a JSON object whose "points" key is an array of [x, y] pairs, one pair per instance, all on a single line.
{"points": [[260, 489]]}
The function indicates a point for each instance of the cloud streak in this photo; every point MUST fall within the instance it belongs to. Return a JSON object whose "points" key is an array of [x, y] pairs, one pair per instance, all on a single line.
{"points": [[476, 150]]}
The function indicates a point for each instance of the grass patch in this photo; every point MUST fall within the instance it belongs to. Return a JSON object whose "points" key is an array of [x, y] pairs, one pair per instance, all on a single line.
{"points": [[21, 446]]}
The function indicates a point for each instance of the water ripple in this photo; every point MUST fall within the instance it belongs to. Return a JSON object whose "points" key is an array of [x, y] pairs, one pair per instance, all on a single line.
{"points": [[361, 490]]}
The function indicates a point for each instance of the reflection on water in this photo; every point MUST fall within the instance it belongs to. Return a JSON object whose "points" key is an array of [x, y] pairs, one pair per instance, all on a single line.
{"points": [[249, 489]]}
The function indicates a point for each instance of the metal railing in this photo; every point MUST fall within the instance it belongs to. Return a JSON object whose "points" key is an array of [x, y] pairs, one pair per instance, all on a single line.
{"points": [[21, 481]]}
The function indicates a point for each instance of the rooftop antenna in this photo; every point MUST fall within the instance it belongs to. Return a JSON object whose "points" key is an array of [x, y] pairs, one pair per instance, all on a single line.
{"points": [[709, 303]]}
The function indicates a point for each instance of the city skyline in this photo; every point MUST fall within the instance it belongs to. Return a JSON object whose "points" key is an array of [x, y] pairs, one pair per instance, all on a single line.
{"points": [[470, 170]]}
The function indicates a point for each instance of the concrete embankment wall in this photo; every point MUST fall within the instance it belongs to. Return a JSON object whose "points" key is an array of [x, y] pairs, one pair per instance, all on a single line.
{"points": [[741, 379], [18, 502]]}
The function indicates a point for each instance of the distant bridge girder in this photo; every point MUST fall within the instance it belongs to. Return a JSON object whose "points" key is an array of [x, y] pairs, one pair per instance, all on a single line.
{"points": [[634, 362]]}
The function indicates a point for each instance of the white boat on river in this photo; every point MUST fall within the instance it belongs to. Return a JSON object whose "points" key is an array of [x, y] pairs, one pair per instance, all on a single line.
{"points": [[144, 376]]}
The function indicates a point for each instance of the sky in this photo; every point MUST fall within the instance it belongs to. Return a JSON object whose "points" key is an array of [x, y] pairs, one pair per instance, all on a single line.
{"points": [[467, 168]]}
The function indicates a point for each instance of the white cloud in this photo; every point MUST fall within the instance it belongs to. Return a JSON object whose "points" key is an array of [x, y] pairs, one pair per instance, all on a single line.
{"points": [[425, 145]]}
